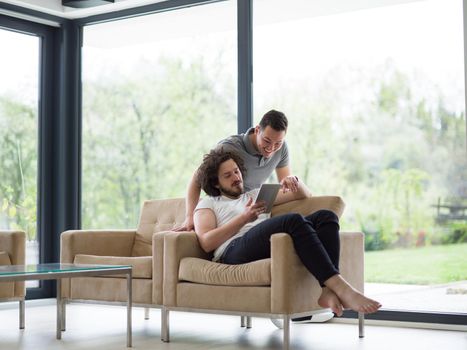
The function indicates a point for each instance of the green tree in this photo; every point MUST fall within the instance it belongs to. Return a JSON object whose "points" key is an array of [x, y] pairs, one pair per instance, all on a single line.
{"points": [[18, 165], [382, 138], [144, 135]]}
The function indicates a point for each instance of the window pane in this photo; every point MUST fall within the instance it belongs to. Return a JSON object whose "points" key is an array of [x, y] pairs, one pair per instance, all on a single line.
{"points": [[158, 92], [19, 89], [376, 100]]}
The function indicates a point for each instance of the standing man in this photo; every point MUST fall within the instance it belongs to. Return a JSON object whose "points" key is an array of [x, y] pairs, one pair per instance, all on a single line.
{"points": [[262, 149]]}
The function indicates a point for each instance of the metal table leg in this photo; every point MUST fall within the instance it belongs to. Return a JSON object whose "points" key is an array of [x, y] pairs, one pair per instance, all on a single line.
{"points": [[63, 315], [128, 310], [59, 308]]}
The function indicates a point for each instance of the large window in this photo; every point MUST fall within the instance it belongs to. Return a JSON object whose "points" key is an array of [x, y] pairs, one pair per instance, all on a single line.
{"points": [[375, 100], [19, 91], [158, 92]]}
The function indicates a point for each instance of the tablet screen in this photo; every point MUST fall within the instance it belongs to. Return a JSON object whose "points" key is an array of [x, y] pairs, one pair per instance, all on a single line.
{"points": [[268, 194]]}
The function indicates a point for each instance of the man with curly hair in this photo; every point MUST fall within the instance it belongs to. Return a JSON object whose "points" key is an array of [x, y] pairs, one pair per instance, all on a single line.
{"points": [[263, 150], [228, 223]]}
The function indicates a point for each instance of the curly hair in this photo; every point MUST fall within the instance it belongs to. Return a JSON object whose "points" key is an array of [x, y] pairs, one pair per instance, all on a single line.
{"points": [[207, 174]]}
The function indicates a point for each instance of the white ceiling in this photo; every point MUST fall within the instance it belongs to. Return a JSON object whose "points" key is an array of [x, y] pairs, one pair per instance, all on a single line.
{"points": [[54, 7], [298, 8]]}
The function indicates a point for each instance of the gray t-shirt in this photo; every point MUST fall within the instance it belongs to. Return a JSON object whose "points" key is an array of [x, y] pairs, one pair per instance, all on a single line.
{"points": [[258, 168], [225, 209]]}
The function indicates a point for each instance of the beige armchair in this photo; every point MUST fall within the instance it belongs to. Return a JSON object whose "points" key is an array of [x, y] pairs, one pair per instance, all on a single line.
{"points": [[279, 287], [13, 252], [142, 248]]}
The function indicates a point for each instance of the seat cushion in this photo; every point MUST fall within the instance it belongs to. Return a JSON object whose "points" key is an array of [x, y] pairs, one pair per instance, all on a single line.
{"points": [[4, 258], [142, 265], [256, 273]]}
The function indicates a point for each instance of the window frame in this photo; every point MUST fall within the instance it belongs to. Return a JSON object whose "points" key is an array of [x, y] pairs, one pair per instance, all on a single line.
{"points": [[60, 172], [46, 113]]}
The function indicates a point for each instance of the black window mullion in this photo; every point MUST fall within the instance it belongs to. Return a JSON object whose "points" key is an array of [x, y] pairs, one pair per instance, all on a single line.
{"points": [[245, 64], [67, 154], [46, 143]]}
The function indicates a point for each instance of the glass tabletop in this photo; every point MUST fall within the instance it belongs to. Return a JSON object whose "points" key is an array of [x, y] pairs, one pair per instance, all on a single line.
{"points": [[54, 267]]}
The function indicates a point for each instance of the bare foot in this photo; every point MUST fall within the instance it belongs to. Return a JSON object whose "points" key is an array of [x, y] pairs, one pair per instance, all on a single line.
{"points": [[353, 299], [350, 297], [329, 299]]}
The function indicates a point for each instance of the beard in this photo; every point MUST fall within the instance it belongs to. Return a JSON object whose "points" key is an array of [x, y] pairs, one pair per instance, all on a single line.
{"points": [[234, 191]]}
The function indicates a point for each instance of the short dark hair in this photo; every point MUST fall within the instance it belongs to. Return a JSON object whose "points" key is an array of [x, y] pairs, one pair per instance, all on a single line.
{"points": [[207, 174], [275, 119]]}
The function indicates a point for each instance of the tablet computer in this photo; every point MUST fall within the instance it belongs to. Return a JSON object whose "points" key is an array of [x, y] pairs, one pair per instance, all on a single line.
{"points": [[268, 193]]}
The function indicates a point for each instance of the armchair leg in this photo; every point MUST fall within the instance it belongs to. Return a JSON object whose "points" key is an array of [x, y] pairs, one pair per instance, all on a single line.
{"points": [[165, 325], [245, 321], [146, 313], [63, 315], [21, 314], [277, 322], [286, 341], [248, 321], [361, 319]]}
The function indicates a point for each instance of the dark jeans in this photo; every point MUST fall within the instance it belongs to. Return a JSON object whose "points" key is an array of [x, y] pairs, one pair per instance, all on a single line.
{"points": [[315, 238]]}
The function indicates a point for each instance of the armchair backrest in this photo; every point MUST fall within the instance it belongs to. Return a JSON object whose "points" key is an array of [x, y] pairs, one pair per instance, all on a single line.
{"points": [[308, 206], [162, 214], [157, 215]]}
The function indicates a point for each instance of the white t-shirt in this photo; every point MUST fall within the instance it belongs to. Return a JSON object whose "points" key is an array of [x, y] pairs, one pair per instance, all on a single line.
{"points": [[225, 209]]}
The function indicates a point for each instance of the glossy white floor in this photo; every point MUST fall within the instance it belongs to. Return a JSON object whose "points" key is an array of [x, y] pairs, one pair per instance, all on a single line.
{"points": [[91, 326]]}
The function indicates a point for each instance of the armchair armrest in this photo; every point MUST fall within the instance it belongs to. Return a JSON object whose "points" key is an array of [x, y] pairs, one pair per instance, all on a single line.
{"points": [[95, 242], [351, 261], [157, 266], [293, 287], [14, 243], [178, 245]]}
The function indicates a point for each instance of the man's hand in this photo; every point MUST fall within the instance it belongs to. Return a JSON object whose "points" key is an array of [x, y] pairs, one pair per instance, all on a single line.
{"points": [[253, 210], [289, 183], [187, 225]]}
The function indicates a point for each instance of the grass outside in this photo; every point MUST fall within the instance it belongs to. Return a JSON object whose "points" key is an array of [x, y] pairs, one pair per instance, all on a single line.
{"points": [[423, 265]]}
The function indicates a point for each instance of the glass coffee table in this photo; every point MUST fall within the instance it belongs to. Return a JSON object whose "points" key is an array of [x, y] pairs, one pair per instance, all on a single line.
{"points": [[57, 271]]}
